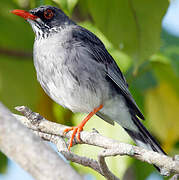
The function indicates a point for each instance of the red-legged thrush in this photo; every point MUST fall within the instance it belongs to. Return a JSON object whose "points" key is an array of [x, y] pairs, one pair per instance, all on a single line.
{"points": [[76, 71]]}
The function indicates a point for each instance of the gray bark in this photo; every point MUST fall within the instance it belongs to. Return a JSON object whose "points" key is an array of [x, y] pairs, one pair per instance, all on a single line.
{"points": [[30, 152]]}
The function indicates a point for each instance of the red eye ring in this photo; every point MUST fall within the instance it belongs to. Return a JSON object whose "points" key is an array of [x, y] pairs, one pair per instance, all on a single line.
{"points": [[48, 14]]}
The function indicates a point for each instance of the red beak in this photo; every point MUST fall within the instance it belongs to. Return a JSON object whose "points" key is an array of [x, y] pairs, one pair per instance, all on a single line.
{"points": [[24, 14]]}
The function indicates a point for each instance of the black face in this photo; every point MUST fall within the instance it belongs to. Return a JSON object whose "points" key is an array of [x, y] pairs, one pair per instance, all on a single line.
{"points": [[49, 17]]}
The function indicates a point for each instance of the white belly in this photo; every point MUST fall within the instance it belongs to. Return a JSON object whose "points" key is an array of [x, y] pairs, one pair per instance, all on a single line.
{"points": [[76, 99]]}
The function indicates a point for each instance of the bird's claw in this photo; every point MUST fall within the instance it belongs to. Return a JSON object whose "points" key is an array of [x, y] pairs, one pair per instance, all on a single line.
{"points": [[76, 130]]}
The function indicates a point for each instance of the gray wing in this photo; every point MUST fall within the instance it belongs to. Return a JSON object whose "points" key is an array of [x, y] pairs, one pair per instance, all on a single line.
{"points": [[98, 52], [124, 90]]}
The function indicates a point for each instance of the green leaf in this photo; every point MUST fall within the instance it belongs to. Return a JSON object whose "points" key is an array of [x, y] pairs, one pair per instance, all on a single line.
{"points": [[66, 5], [142, 169], [164, 71], [132, 26], [3, 163], [122, 59], [172, 53], [13, 28], [71, 5], [162, 105], [44, 2], [162, 101], [62, 115], [18, 85], [170, 48], [62, 3]]}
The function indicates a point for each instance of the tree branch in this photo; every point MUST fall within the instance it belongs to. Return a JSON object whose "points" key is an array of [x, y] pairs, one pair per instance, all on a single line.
{"points": [[30, 152], [175, 177], [111, 147], [62, 148], [15, 53], [104, 167]]}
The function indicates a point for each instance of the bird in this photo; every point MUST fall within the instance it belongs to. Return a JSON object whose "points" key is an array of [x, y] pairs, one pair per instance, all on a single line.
{"points": [[75, 69]]}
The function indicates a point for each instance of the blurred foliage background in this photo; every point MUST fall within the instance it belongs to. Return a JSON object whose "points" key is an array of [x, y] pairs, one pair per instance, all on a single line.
{"points": [[147, 55]]}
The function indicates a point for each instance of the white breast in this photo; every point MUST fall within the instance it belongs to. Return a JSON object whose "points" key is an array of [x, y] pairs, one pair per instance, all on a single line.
{"points": [[56, 80]]}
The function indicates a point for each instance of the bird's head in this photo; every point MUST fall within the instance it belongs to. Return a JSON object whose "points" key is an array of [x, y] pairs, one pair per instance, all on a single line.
{"points": [[44, 19]]}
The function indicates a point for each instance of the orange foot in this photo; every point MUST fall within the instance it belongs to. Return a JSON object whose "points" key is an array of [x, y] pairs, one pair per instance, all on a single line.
{"points": [[76, 129], [79, 128]]}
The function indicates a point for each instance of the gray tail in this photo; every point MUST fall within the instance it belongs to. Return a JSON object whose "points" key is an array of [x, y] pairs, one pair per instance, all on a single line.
{"points": [[143, 138]]}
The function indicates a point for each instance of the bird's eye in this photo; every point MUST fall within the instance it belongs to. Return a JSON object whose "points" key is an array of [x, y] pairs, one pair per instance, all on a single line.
{"points": [[48, 14]]}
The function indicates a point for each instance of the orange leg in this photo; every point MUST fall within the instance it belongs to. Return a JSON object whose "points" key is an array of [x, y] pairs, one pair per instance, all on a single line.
{"points": [[79, 128]]}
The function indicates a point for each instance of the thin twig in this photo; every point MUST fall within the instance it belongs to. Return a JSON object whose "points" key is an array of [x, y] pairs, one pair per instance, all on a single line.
{"points": [[104, 168]]}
